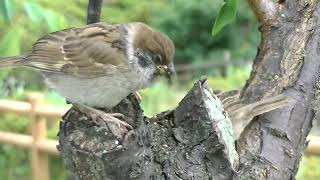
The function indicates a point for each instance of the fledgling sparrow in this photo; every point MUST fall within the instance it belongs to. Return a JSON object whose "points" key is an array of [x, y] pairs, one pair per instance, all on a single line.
{"points": [[98, 65]]}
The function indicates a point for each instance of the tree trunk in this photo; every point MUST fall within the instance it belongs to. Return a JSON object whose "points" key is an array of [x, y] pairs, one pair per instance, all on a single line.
{"points": [[195, 140], [288, 60]]}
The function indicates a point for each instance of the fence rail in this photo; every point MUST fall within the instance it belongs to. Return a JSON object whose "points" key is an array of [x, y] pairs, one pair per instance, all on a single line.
{"points": [[37, 142], [40, 146]]}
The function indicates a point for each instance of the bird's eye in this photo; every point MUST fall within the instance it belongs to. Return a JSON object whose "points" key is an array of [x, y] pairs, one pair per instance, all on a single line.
{"points": [[158, 59]]}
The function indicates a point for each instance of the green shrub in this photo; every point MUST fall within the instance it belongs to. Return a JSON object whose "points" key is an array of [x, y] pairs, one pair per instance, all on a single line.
{"points": [[15, 161], [309, 168], [236, 79]]}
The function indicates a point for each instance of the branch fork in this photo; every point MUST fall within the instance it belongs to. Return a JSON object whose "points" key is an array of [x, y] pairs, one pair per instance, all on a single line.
{"points": [[193, 141]]}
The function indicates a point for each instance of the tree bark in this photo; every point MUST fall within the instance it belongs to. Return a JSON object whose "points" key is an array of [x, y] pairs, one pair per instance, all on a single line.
{"points": [[195, 140], [192, 142], [94, 11], [288, 60]]}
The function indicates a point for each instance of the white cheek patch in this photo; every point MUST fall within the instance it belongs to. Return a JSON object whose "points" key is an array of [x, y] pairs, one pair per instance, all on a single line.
{"points": [[142, 75]]}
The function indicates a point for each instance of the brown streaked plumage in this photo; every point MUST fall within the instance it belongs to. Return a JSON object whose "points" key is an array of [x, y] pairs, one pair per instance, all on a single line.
{"points": [[94, 50], [241, 113], [85, 52]]}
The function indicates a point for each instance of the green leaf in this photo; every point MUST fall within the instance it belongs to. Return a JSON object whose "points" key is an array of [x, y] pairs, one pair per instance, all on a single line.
{"points": [[7, 9], [34, 11], [225, 16]]}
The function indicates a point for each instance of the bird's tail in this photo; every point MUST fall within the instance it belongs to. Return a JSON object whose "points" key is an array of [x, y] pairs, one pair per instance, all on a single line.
{"points": [[241, 113], [12, 61]]}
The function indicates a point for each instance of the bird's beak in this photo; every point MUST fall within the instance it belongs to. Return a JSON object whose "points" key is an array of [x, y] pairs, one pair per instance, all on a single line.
{"points": [[166, 71]]}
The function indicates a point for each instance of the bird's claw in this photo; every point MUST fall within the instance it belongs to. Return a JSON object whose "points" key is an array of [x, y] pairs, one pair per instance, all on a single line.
{"points": [[114, 118], [117, 127], [109, 120]]}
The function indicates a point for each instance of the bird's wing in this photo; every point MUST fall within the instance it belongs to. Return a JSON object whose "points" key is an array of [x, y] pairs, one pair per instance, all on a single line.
{"points": [[91, 51]]}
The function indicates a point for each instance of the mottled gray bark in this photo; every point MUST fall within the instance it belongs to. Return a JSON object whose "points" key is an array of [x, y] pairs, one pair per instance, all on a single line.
{"points": [[192, 142], [288, 60], [195, 141]]}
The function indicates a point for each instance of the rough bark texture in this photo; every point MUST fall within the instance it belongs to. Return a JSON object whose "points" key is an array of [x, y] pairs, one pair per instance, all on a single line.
{"points": [[288, 59], [192, 142], [282, 50], [195, 141]]}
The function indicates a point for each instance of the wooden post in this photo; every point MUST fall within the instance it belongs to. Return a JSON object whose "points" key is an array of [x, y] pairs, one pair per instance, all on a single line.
{"points": [[39, 160], [226, 61]]}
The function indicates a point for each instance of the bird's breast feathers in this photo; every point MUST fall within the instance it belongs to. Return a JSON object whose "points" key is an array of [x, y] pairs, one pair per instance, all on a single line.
{"points": [[102, 92]]}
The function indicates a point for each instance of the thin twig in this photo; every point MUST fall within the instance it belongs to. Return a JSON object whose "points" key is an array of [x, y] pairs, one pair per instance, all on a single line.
{"points": [[94, 11]]}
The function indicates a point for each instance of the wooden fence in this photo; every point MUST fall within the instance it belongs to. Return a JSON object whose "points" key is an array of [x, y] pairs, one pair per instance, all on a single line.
{"points": [[37, 142], [41, 147]]}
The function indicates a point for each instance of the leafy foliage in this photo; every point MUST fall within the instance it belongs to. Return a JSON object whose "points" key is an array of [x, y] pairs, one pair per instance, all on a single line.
{"points": [[309, 168], [14, 161], [189, 24], [7, 9], [155, 101], [226, 15], [21, 23], [236, 81]]}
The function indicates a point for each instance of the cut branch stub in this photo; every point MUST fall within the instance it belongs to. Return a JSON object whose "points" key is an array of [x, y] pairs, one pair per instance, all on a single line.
{"points": [[199, 119], [192, 142]]}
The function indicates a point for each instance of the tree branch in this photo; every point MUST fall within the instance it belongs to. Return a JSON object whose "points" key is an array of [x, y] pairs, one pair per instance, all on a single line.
{"points": [[192, 142], [265, 10], [94, 11], [195, 141], [281, 52], [272, 145]]}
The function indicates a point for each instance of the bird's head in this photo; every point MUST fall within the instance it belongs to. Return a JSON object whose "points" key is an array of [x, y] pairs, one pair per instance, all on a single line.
{"points": [[154, 49]]}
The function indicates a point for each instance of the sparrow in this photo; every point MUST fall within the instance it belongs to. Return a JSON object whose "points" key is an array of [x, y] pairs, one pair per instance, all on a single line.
{"points": [[98, 65]]}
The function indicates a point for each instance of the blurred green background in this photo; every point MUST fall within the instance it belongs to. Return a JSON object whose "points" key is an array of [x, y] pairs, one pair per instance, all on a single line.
{"points": [[187, 22]]}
